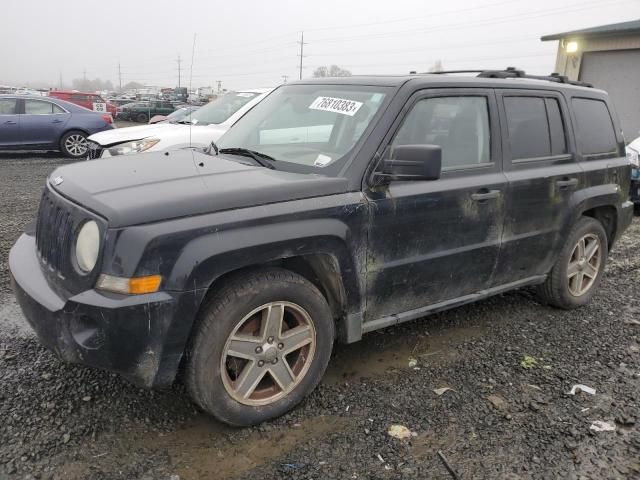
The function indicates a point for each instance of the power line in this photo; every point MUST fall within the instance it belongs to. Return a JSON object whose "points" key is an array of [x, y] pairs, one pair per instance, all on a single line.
{"points": [[405, 19], [497, 20]]}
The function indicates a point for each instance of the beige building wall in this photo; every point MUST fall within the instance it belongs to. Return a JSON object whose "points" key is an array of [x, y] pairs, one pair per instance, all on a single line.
{"points": [[569, 63]]}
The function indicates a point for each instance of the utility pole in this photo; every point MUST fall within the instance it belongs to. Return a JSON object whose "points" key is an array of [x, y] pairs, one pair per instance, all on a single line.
{"points": [[84, 79], [219, 85], [302, 44], [179, 70], [119, 77], [60, 80], [284, 78]]}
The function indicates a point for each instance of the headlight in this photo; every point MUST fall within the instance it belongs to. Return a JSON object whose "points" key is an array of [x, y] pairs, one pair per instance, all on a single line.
{"points": [[135, 146], [632, 156], [88, 246]]}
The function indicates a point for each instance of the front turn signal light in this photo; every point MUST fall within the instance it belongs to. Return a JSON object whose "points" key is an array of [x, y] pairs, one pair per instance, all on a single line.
{"points": [[129, 286]]}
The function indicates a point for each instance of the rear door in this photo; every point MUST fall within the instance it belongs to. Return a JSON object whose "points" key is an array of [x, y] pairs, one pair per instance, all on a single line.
{"points": [[9, 122], [42, 122], [542, 174], [431, 241]]}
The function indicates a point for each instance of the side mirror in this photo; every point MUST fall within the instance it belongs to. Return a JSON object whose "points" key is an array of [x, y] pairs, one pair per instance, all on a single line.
{"points": [[412, 162]]}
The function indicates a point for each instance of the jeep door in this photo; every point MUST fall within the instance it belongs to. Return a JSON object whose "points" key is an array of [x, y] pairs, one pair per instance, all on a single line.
{"points": [[542, 174], [432, 241]]}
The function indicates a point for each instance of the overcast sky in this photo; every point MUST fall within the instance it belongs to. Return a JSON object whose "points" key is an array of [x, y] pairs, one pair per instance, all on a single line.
{"points": [[251, 43]]}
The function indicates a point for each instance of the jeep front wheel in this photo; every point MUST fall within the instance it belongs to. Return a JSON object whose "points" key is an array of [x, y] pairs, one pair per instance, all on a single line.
{"points": [[575, 276], [261, 345]]}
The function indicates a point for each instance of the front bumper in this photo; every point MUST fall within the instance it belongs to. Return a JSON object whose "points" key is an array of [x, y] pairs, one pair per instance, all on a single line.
{"points": [[141, 337]]}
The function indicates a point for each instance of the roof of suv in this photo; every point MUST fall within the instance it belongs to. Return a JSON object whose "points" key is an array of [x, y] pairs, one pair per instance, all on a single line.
{"points": [[445, 80]]}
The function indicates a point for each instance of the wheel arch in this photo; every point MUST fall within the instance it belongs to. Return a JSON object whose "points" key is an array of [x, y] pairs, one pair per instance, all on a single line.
{"points": [[318, 250], [601, 202]]}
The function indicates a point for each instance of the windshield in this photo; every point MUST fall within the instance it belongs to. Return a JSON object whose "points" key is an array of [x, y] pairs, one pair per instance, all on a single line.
{"points": [[222, 108], [307, 125]]}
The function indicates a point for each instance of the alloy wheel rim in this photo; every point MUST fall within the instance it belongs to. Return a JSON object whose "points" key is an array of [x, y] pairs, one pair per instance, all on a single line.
{"points": [[584, 264], [268, 353], [76, 145]]}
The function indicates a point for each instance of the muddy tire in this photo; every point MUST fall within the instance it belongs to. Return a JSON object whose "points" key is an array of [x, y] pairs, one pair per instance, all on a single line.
{"points": [[575, 277], [142, 118], [261, 344]]}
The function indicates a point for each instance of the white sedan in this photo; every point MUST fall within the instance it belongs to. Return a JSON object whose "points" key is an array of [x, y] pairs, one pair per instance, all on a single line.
{"points": [[203, 126]]}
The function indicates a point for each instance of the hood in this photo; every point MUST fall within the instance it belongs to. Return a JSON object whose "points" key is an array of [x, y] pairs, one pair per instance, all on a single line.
{"points": [[635, 144], [151, 187], [170, 135]]}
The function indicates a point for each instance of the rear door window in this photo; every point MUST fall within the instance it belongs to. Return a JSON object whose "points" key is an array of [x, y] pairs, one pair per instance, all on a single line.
{"points": [[37, 107], [595, 132], [535, 127]]}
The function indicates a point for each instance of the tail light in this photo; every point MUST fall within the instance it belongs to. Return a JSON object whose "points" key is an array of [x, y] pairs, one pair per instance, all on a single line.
{"points": [[107, 118]]}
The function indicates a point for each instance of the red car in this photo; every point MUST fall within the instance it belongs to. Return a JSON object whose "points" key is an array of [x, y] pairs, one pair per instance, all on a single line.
{"points": [[92, 101]]}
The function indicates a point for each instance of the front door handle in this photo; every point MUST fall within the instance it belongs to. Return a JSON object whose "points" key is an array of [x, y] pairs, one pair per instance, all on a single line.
{"points": [[485, 194], [10, 122], [567, 182], [56, 121]]}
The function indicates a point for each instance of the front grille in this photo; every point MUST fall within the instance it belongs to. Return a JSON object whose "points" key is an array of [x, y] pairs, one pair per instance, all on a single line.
{"points": [[94, 151], [54, 232]]}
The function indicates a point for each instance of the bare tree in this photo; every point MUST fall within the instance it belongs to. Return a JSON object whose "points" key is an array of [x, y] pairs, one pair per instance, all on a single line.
{"points": [[91, 85], [132, 86], [332, 71]]}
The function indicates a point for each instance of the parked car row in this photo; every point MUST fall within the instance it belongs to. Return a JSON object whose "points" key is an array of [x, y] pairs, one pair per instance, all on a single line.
{"points": [[330, 209]]}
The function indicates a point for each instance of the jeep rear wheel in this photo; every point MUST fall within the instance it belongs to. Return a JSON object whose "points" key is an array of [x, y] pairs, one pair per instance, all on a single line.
{"points": [[142, 118], [261, 345], [579, 268]]}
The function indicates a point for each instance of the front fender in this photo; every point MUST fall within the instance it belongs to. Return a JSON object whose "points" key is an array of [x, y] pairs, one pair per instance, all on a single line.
{"points": [[207, 258]]}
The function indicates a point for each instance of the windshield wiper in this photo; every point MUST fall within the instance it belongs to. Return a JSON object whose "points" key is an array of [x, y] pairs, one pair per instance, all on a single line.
{"points": [[261, 159]]}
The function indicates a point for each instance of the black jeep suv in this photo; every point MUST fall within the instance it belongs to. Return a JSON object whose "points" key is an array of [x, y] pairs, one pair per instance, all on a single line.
{"points": [[333, 208]]}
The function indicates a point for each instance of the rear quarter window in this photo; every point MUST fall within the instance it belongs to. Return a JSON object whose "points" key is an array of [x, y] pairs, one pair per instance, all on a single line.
{"points": [[594, 128]]}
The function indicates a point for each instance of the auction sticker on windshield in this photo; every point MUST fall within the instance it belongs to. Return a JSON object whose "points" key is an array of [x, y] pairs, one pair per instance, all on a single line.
{"points": [[336, 105]]}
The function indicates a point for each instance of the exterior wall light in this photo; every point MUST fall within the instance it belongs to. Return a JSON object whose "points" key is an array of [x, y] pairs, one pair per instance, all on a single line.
{"points": [[572, 47]]}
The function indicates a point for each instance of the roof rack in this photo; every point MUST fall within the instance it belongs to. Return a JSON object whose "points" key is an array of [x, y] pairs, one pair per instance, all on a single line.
{"points": [[512, 72]]}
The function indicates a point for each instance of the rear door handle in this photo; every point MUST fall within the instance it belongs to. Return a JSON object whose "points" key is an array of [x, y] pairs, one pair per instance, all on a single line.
{"points": [[485, 194], [56, 121], [10, 122], [567, 182]]}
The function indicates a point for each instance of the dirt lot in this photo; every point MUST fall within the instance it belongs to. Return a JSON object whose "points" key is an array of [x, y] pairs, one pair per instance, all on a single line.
{"points": [[508, 361]]}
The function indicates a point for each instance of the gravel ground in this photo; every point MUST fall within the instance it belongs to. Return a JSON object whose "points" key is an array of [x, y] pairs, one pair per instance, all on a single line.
{"points": [[508, 361]]}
